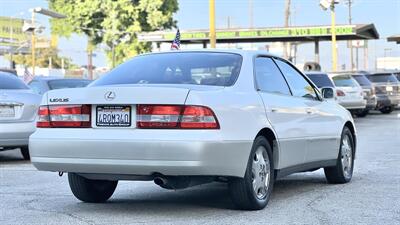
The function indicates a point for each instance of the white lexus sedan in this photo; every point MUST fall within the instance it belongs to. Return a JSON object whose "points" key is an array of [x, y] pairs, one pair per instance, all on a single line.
{"points": [[184, 118]]}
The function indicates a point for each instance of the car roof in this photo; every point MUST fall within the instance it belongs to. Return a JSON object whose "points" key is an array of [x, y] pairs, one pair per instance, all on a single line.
{"points": [[236, 51], [315, 73], [382, 72]]}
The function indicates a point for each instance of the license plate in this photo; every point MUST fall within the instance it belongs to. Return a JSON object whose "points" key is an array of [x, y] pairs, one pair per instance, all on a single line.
{"points": [[113, 116], [7, 111]]}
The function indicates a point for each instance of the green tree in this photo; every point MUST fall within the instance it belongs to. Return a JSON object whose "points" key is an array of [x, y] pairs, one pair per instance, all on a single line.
{"points": [[114, 23]]}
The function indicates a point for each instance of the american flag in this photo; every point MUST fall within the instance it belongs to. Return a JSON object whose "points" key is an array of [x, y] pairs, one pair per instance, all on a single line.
{"points": [[176, 44], [28, 77]]}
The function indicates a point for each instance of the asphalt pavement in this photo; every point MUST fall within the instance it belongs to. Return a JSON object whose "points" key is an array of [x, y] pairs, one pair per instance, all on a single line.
{"points": [[28, 196]]}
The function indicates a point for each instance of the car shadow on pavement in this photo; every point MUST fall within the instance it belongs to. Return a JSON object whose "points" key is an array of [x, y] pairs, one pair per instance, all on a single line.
{"points": [[214, 195], [11, 156]]}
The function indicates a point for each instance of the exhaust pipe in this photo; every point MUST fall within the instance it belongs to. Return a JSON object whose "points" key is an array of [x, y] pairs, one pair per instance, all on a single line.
{"points": [[160, 181], [176, 182]]}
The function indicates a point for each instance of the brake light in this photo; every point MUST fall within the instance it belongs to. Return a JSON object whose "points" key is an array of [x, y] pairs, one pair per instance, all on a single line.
{"points": [[175, 117], [76, 116], [340, 93]]}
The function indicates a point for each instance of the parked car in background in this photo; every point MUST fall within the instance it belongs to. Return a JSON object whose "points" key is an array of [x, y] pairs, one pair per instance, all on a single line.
{"points": [[18, 110], [369, 93], [183, 118], [387, 89], [349, 93], [320, 79], [42, 84]]}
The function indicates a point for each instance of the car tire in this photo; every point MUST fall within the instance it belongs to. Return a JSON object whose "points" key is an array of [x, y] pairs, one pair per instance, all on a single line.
{"points": [[362, 113], [25, 153], [342, 172], [93, 191], [252, 192], [387, 109]]}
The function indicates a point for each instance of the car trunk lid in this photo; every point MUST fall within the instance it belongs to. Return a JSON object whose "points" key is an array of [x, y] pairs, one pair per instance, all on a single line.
{"points": [[18, 105], [115, 106]]}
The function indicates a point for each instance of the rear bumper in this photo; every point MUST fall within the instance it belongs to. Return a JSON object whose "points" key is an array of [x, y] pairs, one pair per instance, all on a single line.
{"points": [[353, 104], [387, 100], [132, 155], [16, 134]]}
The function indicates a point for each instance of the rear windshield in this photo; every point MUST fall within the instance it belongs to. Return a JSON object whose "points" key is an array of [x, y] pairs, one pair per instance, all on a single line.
{"points": [[384, 77], [198, 68], [321, 80], [10, 81], [362, 80], [344, 81], [65, 83]]}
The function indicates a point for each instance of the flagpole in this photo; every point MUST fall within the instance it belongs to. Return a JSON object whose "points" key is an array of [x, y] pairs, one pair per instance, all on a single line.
{"points": [[212, 23]]}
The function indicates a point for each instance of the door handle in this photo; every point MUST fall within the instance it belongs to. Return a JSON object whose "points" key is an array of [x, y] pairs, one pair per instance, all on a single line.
{"points": [[309, 111], [274, 110]]}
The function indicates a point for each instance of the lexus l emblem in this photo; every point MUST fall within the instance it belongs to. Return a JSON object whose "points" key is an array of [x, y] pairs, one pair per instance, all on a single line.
{"points": [[109, 96]]}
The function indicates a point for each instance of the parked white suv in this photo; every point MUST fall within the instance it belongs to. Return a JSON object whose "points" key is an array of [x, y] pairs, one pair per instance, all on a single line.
{"points": [[184, 118], [349, 93]]}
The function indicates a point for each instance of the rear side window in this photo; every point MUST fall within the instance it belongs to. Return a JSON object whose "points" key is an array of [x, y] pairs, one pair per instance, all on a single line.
{"points": [[269, 78], [10, 81], [197, 68], [65, 83], [384, 77], [344, 81], [362, 80], [299, 86], [321, 80]]}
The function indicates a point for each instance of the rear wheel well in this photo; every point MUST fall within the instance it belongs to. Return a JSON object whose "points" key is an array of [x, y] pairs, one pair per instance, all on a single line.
{"points": [[269, 135]]}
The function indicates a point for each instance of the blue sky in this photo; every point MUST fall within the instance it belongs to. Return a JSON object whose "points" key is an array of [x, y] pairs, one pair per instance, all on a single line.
{"points": [[193, 14]]}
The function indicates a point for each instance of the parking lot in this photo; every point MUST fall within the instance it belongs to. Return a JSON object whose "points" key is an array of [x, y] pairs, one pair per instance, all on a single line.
{"points": [[373, 197]]}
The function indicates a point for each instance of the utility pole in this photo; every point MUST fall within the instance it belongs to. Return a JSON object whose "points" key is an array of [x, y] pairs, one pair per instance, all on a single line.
{"points": [[349, 2], [334, 47], [33, 43], [251, 19], [286, 45], [90, 60], [212, 23]]}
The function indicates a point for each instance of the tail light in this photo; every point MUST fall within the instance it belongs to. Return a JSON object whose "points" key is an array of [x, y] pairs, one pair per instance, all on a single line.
{"points": [[76, 116], [340, 93], [175, 117]]}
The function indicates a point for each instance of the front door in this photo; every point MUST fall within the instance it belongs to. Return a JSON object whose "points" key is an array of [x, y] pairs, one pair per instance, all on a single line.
{"points": [[286, 113]]}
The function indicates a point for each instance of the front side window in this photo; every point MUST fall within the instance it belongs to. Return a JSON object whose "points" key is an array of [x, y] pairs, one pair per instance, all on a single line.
{"points": [[269, 78], [299, 86], [196, 68]]}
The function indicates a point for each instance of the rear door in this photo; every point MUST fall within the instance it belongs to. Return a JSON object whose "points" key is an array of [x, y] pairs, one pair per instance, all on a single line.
{"points": [[286, 113], [320, 126]]}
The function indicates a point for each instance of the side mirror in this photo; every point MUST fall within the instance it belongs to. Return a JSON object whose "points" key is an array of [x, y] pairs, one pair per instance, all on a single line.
{"points": [[328, 93]]}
